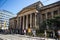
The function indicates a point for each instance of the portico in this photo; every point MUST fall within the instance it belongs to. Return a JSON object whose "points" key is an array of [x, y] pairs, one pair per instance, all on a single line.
{"points": [[28, 16], [28, 20]]}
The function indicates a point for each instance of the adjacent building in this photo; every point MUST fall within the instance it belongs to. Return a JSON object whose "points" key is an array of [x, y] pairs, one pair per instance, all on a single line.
{"points": [[4, 19], [32, 15], [13, 25]]}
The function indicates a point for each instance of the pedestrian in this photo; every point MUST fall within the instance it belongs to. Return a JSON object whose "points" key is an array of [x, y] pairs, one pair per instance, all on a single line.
{"points": [[24, 31], [34, 32], [29, 31], [58, 34]]}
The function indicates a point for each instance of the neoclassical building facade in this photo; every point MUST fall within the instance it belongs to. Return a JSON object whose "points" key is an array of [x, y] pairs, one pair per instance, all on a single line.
{"points": [[32, 15]]}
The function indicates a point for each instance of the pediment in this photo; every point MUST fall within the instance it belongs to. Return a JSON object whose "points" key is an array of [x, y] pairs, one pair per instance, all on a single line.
{"points": [[31, 7]]}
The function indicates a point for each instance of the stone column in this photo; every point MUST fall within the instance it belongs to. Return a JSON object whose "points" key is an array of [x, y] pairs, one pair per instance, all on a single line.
{"points": [[35, 19], [26, 21], [17, 23], [46, 15], [31, 20], [52, 14], [46, 21], [23, 22], [59, 11], [20, 22]]}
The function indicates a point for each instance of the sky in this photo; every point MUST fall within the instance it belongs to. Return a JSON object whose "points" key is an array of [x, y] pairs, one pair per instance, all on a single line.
{"points": [[15, 6]]}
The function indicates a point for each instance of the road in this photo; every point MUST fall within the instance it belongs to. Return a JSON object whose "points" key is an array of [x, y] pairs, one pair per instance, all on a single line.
{"points": [[12, 37], [20, 37]]}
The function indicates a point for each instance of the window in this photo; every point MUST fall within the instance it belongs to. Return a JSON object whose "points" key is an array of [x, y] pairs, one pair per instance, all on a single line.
{"points": [[43, 16], [49, 15], [55, 12]]}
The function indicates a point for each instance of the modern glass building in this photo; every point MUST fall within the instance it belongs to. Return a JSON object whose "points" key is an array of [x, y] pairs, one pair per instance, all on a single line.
{"points": [[4, 18]]}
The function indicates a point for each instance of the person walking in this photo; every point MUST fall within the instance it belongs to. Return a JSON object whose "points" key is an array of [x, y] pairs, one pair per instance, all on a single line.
{"points": [[34, 32], [24, 31], [29, 31]]}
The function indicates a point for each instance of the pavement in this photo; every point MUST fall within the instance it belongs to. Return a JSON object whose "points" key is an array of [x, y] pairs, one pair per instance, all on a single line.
{"points": [[20, 37]]}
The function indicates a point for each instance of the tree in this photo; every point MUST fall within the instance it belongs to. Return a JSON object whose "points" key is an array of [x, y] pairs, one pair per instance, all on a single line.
{"points": [[53, 24]]}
